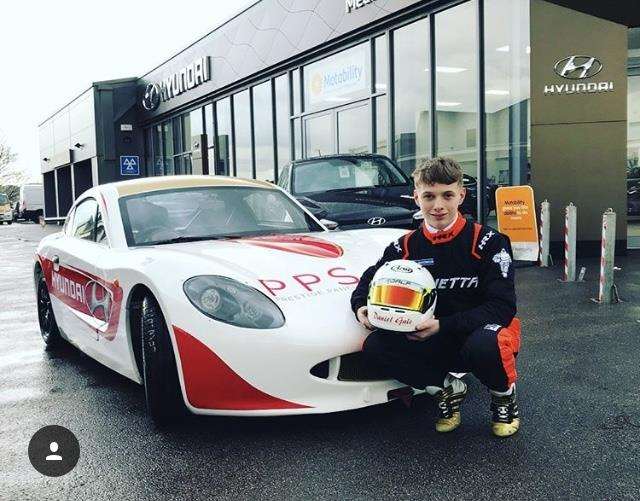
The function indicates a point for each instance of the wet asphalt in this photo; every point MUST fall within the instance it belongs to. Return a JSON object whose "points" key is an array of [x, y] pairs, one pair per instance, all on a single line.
{"points": [[579, 393]]}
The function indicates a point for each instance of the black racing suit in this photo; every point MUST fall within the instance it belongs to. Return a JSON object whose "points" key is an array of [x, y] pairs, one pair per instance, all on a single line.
{"points": [[476, 307]]}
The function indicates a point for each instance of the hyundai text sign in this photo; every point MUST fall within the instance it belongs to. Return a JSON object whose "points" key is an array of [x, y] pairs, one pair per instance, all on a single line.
{"points": [[578, 67], [351, 5], [175, 84], [130, 165]]}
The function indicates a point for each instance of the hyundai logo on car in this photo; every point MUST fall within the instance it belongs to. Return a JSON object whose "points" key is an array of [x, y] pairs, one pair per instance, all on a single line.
{"points": [[376, 221]]}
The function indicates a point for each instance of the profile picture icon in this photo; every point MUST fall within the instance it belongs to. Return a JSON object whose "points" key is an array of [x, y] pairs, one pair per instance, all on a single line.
{"points": [[54, 451], [53, 446]]}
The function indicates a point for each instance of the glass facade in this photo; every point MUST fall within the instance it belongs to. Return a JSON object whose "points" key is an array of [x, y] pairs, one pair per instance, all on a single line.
{"points": [[263, 131], [242, 133], [633, 140], [456, 55], [362, 98], [412, 130], [224, 142]]}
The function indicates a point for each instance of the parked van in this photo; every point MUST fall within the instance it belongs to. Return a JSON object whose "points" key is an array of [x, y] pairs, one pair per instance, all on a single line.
{"points": [[6, 215], [31, 204]]}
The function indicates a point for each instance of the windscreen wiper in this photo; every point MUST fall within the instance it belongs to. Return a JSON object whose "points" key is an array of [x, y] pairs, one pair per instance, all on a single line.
{"points": [[187, 238]]}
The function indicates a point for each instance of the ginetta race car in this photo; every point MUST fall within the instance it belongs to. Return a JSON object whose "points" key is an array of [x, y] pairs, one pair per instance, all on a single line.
{"points": [[219, 295]]}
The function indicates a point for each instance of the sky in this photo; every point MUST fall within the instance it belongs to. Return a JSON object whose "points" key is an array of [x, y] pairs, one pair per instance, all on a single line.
{"points": [[50, 52]]}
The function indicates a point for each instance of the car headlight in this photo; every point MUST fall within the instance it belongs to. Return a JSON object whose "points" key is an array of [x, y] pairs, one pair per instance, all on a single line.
{"points": [[232, 302], [418, 216]]}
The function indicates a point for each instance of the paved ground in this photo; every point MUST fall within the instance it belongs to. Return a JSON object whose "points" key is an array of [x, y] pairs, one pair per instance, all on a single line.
{"points": [[579, 396]]}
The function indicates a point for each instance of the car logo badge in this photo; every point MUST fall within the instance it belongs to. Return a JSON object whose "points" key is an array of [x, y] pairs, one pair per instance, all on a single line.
{"points": [[376, 221], [578, 67], [98, 297]]}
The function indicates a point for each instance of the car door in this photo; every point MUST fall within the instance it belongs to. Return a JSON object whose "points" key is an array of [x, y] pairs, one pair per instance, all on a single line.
{"points": [[78, 281]]}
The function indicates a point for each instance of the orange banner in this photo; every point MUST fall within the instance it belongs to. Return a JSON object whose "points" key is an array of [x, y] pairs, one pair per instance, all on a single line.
{"points": [[516, 211]]}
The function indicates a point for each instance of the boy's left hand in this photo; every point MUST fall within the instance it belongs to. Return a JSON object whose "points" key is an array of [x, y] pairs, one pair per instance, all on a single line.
{"points": [[425, 329]]}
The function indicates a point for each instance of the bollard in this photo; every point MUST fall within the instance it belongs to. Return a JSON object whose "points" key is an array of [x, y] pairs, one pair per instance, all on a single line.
{"points": [[607, 293], [570, 220], [545, 233]]}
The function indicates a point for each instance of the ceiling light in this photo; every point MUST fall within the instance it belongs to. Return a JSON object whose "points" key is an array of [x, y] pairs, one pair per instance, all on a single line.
{"points": [[504, 48], [447, 103], [497, 92], [449, 69]]}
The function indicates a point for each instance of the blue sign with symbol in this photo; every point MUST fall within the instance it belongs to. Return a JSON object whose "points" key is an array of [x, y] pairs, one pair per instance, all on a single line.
{"points": [[130, 165]]}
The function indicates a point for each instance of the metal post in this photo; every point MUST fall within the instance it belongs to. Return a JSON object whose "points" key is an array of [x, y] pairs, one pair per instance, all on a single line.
{"points": [[607, 293], [545, 233], [570, 220]]}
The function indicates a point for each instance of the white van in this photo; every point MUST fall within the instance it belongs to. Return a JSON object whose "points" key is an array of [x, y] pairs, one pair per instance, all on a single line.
{"points": [[31, 205]]}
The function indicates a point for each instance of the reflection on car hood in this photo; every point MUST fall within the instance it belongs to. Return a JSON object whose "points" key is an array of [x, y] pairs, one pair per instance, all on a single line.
{"points": [[350, 206]]}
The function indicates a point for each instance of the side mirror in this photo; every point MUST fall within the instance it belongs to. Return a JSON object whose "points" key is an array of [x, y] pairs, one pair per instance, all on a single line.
{"points": [[330, 225]]}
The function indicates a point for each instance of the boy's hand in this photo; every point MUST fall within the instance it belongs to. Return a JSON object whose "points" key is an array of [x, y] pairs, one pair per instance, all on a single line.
{"points": [[363, 317], [425, 329]]}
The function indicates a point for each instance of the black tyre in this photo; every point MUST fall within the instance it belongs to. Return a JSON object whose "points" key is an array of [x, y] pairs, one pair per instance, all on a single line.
{"points": [[48, 325], [159, 371], [9, 222]]}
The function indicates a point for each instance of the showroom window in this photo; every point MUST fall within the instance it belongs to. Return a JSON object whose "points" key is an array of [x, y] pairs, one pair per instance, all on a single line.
{"points": [[507, 92], [242, 133], [456, 53], [263, 131], [224, 164], [282, 110], [412, 133]]}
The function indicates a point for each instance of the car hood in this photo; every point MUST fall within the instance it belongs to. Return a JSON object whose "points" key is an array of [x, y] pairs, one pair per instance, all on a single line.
{"points": [[287, 268], [349, 207]]}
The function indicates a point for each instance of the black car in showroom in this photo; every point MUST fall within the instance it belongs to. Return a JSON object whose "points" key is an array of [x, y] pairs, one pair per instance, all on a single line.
{"points": [[355, 191], [361, 191]]}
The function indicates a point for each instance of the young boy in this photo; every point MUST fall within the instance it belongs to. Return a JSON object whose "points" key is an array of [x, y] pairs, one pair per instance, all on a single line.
{"points": [[474, 328]]}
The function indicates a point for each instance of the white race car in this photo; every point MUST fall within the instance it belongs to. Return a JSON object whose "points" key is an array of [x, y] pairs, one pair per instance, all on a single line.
{"points": [[219, 295]]}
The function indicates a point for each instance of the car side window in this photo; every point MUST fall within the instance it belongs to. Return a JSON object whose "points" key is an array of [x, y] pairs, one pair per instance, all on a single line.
{"points": [[84, 220], [101, 234]]}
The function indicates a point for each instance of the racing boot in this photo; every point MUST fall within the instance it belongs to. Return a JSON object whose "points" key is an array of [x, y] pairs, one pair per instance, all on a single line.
{"points": [[505, 419], [449, 400]]}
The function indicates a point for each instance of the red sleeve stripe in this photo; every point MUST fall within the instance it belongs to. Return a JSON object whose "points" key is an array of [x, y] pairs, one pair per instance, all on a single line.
{"points": [[405, 244], [476, 233]]}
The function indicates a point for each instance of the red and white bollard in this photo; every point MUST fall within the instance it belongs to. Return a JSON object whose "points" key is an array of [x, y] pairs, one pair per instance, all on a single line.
{"points": [[570, 222], [545, 233], [607, 293]]}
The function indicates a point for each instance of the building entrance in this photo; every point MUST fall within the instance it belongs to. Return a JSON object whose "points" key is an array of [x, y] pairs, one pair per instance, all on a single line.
{"points": [[341, 130]]}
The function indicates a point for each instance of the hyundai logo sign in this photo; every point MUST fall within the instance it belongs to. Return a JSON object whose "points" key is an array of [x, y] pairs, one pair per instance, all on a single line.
{"points": [[376, 221], [578, 67], [151, 98], [187, 78]]}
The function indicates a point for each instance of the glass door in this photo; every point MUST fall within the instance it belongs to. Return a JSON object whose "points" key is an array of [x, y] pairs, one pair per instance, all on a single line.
{"points": [[354, 129], [319, 135]]}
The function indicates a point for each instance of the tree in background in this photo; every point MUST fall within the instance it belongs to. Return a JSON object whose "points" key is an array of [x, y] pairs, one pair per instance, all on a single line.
{"points": [[10, 178]]}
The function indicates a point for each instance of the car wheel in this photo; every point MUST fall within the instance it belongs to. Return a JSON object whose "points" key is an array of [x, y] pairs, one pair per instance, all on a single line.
{"points": [[9, 222], [47, 320], [160, 374]]}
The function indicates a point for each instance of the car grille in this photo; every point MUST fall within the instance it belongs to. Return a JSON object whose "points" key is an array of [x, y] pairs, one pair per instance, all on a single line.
{"points": [[353, 367]]}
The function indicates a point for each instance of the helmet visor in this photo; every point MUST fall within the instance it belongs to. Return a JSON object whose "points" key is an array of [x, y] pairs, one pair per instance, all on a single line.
{"points": [[397, 296]]}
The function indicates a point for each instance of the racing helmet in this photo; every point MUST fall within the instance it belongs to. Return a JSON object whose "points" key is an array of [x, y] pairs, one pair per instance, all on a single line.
{"points": [[402, 293]]}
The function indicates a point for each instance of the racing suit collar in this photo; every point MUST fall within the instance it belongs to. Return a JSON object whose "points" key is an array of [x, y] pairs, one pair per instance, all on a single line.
{"points": [[446, 235]]}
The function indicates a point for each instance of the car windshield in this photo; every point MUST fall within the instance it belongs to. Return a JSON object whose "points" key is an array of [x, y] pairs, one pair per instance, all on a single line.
{"points": [[209, 213], [345, 174], [3, 199]]}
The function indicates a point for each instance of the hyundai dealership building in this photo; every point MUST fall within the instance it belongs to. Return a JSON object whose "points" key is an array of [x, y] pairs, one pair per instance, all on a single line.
{"points": [[545, 93]]}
